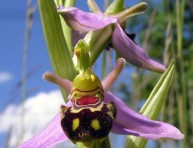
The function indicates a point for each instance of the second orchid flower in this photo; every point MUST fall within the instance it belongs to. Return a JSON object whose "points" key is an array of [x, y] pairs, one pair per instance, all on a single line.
{"points": [[106, 27]]}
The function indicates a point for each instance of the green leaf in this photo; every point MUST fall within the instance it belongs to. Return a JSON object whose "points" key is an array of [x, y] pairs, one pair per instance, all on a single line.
{"points": [[153, 105], [67, 34], [60, 56]]}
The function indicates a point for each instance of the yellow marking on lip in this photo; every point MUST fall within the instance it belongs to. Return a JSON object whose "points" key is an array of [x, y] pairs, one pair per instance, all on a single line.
{"points": [[75, 123], [95, 124], [93, 78], [92, 109]]}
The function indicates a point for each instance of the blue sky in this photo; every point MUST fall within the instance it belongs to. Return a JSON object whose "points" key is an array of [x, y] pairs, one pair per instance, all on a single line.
{"points": [[12, 24], [12, 30]]}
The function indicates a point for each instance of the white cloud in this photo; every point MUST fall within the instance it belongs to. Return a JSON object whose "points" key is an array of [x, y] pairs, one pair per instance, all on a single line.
{"points": [[5, 76], [39, 110]]}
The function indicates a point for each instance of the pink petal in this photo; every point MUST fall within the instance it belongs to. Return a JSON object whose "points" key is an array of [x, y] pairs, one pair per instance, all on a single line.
{"points": [[83, 21], [56, 79], [50, 136], [108, 81], [132, 52], [129, 122]]}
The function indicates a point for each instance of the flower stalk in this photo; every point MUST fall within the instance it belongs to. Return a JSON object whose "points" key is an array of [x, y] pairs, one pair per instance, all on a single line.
{"points": [[65, 28]]}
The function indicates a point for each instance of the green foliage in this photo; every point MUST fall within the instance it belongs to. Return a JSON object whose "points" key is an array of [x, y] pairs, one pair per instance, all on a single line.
{"points": [[166, 36]]}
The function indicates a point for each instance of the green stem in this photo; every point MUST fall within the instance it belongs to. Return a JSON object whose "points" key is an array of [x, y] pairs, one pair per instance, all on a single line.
{"points": [[97, 40], [104, 144], [182, 100], [65, 28], [59, 2], [70, 3], [104, 64], [95, 144]]}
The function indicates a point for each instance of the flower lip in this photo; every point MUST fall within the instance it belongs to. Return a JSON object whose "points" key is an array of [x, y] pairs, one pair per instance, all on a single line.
{"points": [[87, 124]]}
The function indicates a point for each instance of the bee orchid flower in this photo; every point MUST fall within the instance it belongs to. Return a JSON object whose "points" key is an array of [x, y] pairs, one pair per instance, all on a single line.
{"points": [[105, 28], [92, 112]]}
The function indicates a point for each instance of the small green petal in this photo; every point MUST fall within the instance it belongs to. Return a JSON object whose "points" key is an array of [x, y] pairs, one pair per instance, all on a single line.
{"points": [[93, 6], [132, 11], [154, 103], [115, 7]]}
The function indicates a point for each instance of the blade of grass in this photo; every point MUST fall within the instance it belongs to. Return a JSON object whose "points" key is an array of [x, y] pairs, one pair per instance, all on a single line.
{"points": [[29, 21]]}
